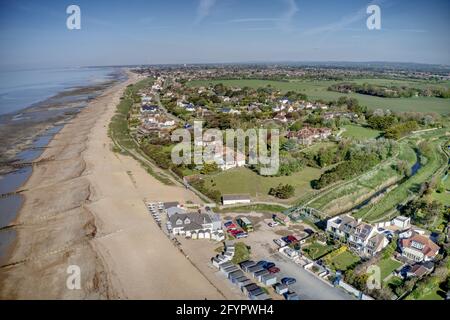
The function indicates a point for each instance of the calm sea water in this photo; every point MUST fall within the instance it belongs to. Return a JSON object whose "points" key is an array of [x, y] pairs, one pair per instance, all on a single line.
{"points": [[21, 88]]}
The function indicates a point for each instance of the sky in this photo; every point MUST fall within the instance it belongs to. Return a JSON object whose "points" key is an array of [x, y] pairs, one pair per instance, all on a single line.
{"points": [[34, 34]]}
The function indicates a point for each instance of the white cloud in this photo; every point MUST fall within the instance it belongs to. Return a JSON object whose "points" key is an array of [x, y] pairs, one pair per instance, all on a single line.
{"points": [[204, 9]]}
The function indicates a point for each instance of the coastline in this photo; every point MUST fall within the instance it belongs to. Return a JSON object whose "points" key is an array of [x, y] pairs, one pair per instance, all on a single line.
{"points": [[86, 208]]}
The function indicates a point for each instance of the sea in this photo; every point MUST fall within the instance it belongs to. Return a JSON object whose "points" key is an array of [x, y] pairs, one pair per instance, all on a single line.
{"points": [[33, 97]]}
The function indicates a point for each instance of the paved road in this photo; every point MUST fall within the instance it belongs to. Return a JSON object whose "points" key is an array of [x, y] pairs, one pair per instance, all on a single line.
{"points": [[308, 287]]}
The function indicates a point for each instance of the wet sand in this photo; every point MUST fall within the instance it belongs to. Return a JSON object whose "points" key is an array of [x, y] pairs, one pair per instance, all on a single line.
{"points": [[86, 208]]}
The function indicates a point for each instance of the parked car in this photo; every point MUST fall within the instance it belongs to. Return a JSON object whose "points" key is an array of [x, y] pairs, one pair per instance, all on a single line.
{"points": [[288, 281], [268, 265], [274, 270], [261, 263], [279, 242]]}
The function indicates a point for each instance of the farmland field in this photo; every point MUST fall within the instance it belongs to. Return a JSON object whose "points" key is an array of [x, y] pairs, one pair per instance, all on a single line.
{"points": [[318, 89], [245, 181]]}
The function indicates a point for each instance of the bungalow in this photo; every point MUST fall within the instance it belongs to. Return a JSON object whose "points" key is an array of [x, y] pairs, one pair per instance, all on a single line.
{"points": [[235, 199], [418, 248], [361, 237]]}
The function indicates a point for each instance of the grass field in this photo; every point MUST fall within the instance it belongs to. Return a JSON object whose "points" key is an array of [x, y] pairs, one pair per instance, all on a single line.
{"points": [[317, 250], [344, 260], [358, 132], [245, 181], [318, 89], [387, 266]]}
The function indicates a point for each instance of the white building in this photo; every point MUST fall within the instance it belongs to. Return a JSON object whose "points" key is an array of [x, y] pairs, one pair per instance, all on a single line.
{"points": [[361, 237], [235, 199]]}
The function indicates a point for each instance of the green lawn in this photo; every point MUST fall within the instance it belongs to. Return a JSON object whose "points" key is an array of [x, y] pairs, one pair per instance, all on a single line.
{"points": [[387, 266], [244, 181], [443, 197], [317, 250], [344, 260], [358, 132], [318, 89]]}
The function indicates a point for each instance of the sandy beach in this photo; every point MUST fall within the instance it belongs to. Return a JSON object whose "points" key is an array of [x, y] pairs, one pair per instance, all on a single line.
{"points": [[86, 208]]}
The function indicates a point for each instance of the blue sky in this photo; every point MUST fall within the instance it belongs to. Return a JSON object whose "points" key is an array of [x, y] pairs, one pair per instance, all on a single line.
{"points": [[34, 33]]}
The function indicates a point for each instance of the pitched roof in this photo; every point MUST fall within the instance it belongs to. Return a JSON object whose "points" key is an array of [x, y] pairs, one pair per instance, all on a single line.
{"points": [[429, 248]]}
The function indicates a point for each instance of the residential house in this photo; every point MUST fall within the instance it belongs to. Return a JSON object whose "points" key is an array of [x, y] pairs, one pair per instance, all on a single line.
{"points": [[307, 136], [418, 248], [362, 238], [190, 223]]}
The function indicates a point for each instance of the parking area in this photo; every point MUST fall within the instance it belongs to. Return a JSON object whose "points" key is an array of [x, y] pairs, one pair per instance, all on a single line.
{"points": [[307, 286]]}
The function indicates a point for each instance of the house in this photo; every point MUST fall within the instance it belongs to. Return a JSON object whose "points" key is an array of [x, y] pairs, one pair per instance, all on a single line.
{"points": [[190, 223], [229, 159], [174, 210], [420, 270], [235, 199], [230, 111], [253, 108], [401, 222], [364, 239], [149, 108], [418, 248], [307, 136], [340, 114], [281, 117]]}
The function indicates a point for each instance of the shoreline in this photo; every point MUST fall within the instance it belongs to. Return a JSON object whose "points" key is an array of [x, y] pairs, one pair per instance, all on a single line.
{"points": [[83, 208]]}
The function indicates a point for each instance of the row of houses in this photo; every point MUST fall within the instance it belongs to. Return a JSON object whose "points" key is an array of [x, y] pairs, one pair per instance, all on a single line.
{"points": [[362, 238], [306, 136], [366, 240]]}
